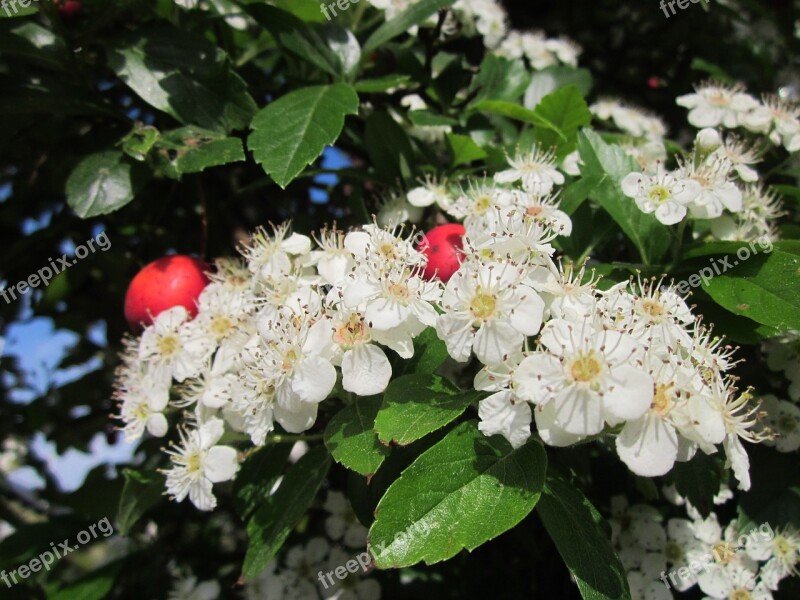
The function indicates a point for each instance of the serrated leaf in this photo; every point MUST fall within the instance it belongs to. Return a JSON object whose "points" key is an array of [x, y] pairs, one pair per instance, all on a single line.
{"points": [[183, 75], [415, 14], [583, 540], [464, 149], [548, 80], [142, 491], [416, 405], [101, 183], [430, 352], [462, 492], [605, 165], [501, 79], [192, 150], [292, 131], [518, 113], [567, 110], [257, 477], [381, 84], [761, 286], [302, 39], [351, 439], [278, 514]]}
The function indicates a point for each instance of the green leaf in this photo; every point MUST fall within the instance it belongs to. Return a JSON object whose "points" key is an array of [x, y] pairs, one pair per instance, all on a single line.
{"points": [[142, 491], [501, 79], [430, 352], [426, 118], [102, 183], [583, 540], [344, 45], [140, 140], [192, 150], [462, 492], [567, 110], [292, 131], [698, 480], [464, 149], [415, 14], [605, 166], [308, 10], [257, 477], [93, 586], [301, 39], [11, 10], [32, 42], [183, 75], [351, 439], [416, 405], [761, 286], [518, 113], [388, 148], [552, 78], [382, 84], [278, 514]]}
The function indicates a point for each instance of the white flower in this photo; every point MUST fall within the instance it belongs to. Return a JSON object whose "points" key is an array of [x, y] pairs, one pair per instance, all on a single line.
{"points": [[143, 395], [740, 420], [342, 523], [188, 588], [430, 193], [536, 171], [781, 551], [717, 192], [333, 260], [488, 309], [741, 156], [198, 463], [569, 296], [591, 377], [348, 336], [477, 206], [173, 349], [783, 418], [715, 105], [666, 194], [270, 256], [734, 581], [650, 445]]}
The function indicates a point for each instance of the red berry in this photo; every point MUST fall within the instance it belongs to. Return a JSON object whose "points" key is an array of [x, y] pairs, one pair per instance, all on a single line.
{"points": [[68, 9], [654, 82], [442, 246], [169, 281]]}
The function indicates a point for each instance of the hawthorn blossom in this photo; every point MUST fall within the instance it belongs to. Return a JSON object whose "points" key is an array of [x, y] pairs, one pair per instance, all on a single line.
{"points": [[591, 377], [489, 310], [198, 463], [714, 105], [535, 170], [665, 194]]}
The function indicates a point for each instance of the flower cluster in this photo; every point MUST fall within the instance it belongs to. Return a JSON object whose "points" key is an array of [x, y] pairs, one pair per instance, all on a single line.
{"points": [[302, 571], [276, 330], [735, 561]]}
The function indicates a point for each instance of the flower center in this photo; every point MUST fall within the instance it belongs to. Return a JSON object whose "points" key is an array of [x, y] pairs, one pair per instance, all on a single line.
{"points": [[482, 306], [351, 333], [220, 325], [719, 99], [652, 308], [288, 360], [723, 552], [673, 552], [168, 345], [784, 547], [193, 463], [399, 291], [586, 367], [661, 399], [483, 203], [786, 424], [740, 594], [658, 194], [534, 211]]}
